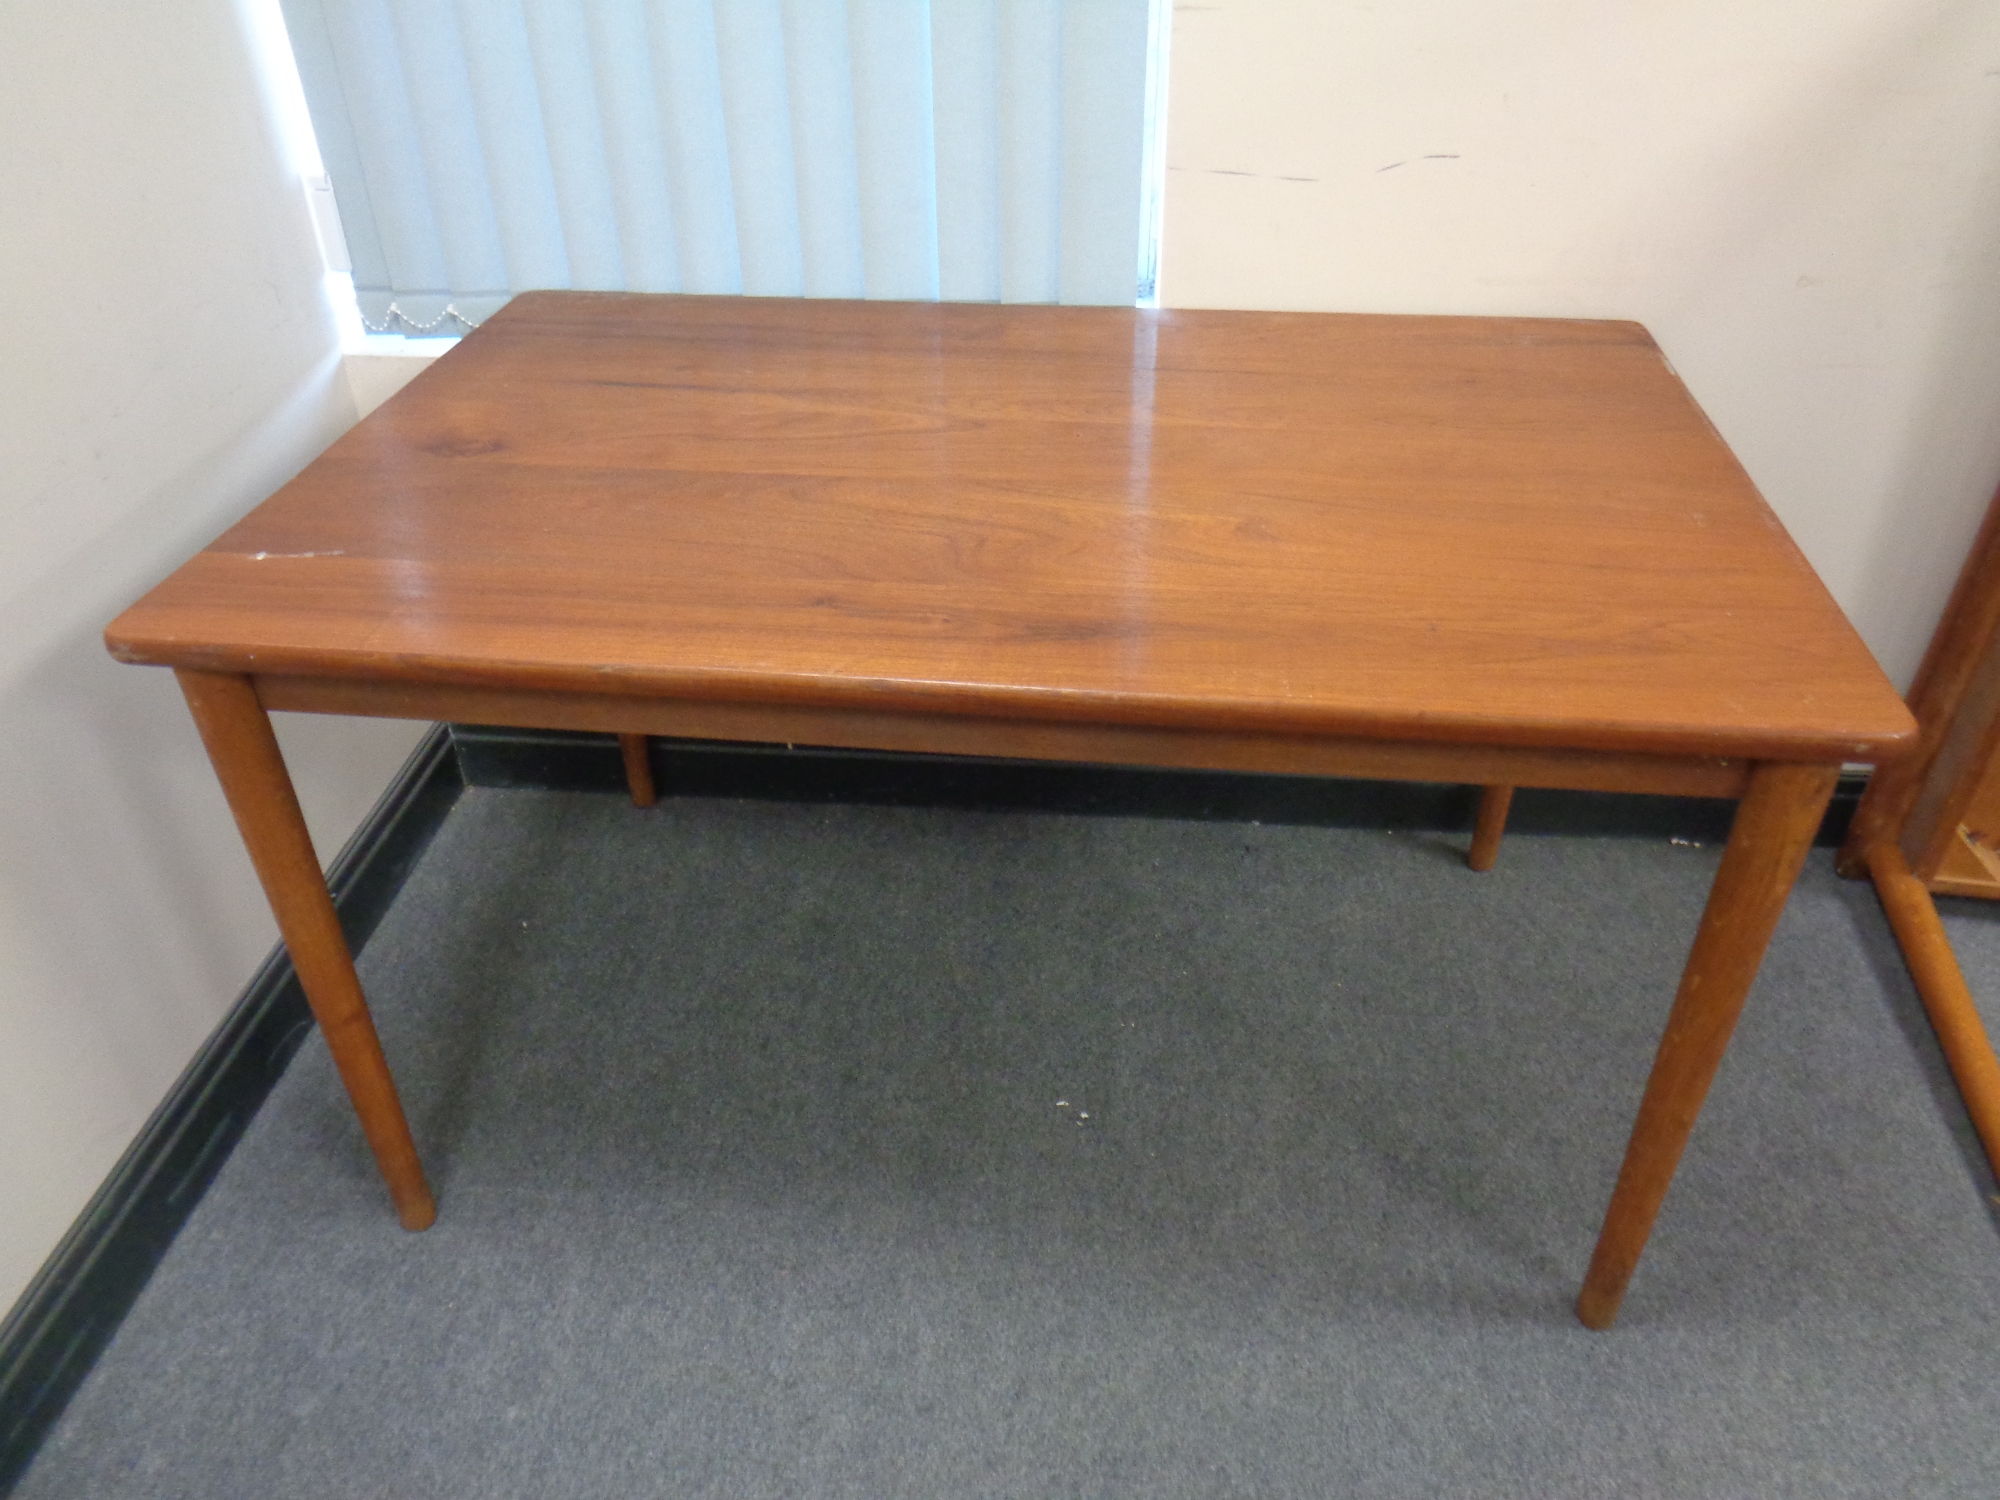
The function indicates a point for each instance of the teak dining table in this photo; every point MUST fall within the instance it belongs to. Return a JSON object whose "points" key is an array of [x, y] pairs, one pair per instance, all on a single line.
{"points": [[1495, 551]]}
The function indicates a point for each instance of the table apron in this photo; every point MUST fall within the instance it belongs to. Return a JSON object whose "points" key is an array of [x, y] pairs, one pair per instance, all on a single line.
{"points": [[1021, 739]]}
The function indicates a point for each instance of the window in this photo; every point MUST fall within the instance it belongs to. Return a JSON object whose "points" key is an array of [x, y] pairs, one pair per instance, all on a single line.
{"points": [[974, 150]]}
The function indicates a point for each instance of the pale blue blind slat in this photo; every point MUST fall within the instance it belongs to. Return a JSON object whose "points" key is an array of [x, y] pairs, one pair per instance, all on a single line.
{"points": [[821, 95], [687, 68], [634, 145], [500, 69], [757, 118], [1104, 122], [969, 149], [896, 156], [564, 77], [1031, 126], [965, 94], [430, 81], [388, 135]]}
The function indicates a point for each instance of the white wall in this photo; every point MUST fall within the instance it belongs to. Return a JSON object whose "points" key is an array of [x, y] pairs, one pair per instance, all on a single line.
{"points": [[166, 359], [374, 378], [1802, 201]]}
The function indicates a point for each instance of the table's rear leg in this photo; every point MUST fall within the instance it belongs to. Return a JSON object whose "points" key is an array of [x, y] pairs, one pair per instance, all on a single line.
{"points": [[638, 769], [245, 753], [1774, 827], [1493, 804]]}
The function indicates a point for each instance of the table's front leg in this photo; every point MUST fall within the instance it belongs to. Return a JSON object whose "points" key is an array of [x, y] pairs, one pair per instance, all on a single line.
{"points": [[245, 753], [1775, 823]]}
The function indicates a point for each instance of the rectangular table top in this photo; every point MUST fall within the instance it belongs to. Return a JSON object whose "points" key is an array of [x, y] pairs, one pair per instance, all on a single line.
{"points": [[1467, 530]]}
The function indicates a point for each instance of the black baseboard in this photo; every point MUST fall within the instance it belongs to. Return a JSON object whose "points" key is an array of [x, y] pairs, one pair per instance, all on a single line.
{"points": [[73, 1306], [494, 757]]}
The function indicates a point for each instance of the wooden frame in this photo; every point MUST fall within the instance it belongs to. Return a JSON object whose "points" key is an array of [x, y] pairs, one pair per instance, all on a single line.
{"points": [[1930, 823]]}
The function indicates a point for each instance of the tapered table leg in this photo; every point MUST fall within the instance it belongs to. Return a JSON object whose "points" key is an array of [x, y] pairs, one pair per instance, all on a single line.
{"points": [[638, 769], [1486, 833], [1774, 827], [245, 754]]}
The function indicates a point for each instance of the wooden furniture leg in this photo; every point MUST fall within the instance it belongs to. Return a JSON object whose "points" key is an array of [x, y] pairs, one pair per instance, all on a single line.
{"points": [[638, 769], [1493, 804], [1913, 916], [245, 754], [1775, 823]]}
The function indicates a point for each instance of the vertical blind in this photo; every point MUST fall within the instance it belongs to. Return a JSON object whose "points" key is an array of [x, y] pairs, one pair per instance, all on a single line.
{"points": [[974, 150]]}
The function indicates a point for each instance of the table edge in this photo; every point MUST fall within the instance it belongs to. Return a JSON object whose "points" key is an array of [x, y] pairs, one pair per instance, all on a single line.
{"points": [[1041, 705]]}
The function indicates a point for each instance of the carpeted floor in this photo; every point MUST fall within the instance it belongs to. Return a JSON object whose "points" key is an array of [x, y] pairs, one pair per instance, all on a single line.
{"points": [[790, 1151]]}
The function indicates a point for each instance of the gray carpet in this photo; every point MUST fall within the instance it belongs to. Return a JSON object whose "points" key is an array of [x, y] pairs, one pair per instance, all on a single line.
{"points": [[792, 1151]]}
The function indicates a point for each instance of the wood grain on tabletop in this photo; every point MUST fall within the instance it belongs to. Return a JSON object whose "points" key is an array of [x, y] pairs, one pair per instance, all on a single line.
{"points": [[1503, 530]]}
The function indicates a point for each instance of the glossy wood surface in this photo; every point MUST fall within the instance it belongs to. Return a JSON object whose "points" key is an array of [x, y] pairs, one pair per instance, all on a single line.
{"points": [[1492, 531]]}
